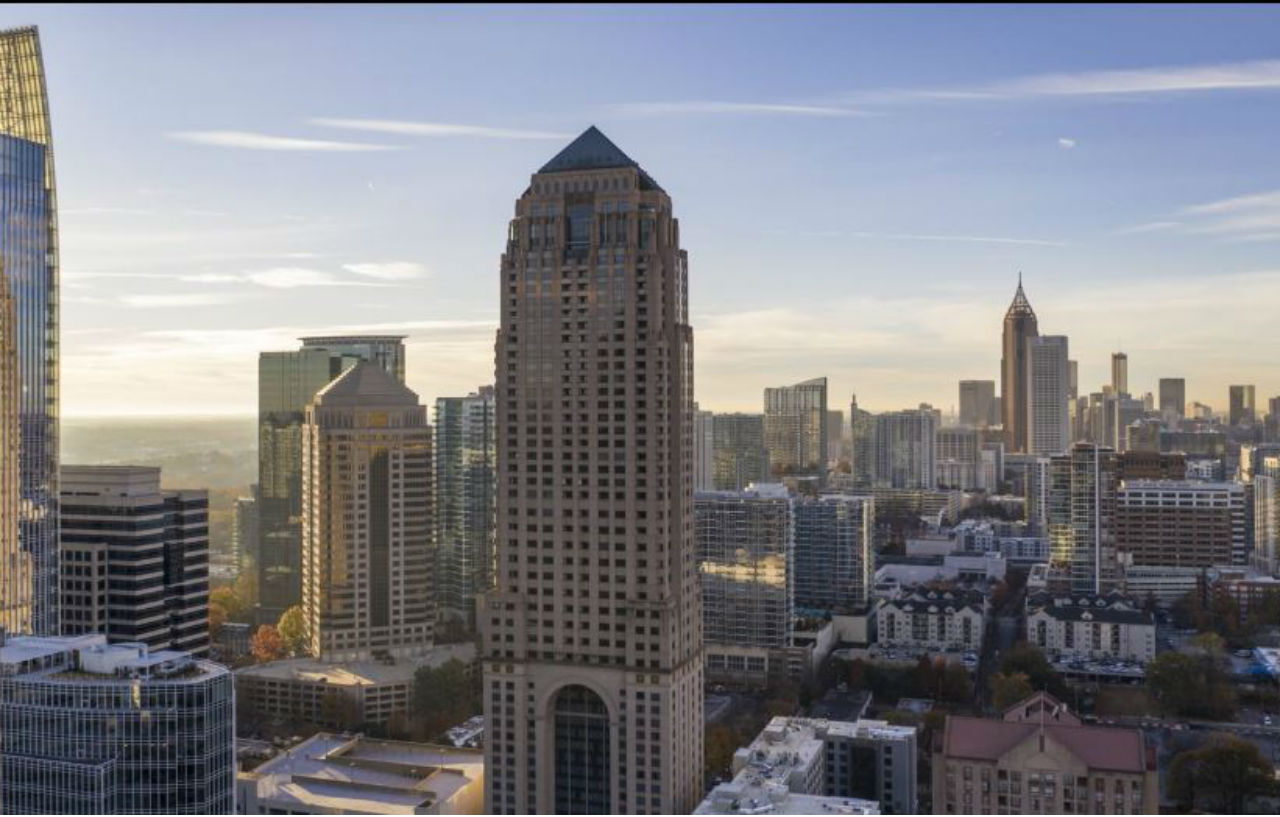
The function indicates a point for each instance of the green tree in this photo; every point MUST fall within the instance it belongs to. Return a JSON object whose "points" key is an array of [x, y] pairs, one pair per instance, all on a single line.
{"points": [[443, 697], [1009, 688], [292, 627], [720, 742], [1221, 777], [1190, 685]]}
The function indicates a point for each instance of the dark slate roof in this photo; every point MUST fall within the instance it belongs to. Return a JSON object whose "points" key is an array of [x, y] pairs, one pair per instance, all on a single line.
{"points": [[365, 384], [1108, 615], [594, 151]]}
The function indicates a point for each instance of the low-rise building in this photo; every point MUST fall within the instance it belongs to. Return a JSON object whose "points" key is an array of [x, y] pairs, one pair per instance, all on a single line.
{"points": [[342, 774], [1089, 627], [1040, 759], [934, 620]]}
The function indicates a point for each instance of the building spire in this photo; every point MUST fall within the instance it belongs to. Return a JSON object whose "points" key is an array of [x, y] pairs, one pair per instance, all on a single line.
{"points": [[1020, 305]]}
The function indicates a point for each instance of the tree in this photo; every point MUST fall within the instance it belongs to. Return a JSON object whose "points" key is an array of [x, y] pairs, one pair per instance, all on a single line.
{"points": [[1221, 777], [217, 617], [720, 742], [1009, 688], [267, 645], [443, 696], [292, 627], [1191, 685], [1027, 658]]}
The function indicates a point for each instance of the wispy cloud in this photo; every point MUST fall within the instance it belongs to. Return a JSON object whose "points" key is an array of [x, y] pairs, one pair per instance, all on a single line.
{"points": [[406, 128], [166, 301], [277, 278], [246, 140], [388, 270], [1148, 227], [103, 211], [712, 107], [1254, 217], [973, 239], [1065, 143]]}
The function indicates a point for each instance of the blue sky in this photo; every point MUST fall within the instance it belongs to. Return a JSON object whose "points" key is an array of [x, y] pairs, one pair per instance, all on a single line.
{"points": [[857, 187]]}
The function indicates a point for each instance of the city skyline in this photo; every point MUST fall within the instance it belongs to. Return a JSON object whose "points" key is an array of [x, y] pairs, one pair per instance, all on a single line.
{"points": [[921, 183]]}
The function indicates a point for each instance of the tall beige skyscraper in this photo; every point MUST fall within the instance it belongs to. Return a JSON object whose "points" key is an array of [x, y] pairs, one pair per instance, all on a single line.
{"points": [[592, 639], [367, 553], [1119, 373], [1019, 327]]}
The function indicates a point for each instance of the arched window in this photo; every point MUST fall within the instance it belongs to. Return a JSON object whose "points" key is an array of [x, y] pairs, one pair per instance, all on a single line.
{"points": [[583, 773]]}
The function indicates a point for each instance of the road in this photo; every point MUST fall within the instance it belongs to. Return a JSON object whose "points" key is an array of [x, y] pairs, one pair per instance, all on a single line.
{"points": [[1003, 631]]}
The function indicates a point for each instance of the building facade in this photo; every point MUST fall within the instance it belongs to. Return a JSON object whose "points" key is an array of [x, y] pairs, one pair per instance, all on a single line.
{"points": [[738, 456], [135, 558], [1241, 405], [959, 459], [1173, 398], [592, 639], [935, 620], [1081, 517], [1119, 373], [88, 727], [704, 446], [795, 428], [905, 449], [1019, 327], [833, 561], [1181, 524], [244, 530], [978, 406], [1090, 628], [367, 520], [29, 267], [465, 502], [862, 450], [1048, 410]]}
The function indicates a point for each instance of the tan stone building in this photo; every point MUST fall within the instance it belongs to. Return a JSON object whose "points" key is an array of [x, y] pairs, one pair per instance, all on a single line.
{"points": [[367, 519], [1040, 759], [592, 639]]}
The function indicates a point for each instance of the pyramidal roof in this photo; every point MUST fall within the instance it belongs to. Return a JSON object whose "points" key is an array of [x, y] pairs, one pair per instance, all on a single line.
{"points": [[365, 384], [592, 150], [1020, 305]]}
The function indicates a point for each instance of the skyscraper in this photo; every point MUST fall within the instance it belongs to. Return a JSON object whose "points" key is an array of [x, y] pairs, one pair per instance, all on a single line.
{"points": [[862, 452], [1019, 327], [286, 383], [704, 444], [1048, 409], [1119, 373], [16, 581], [833, 562], [795, 427], [466, 484], [1082, 517], [244, 530], [1173, 397], [366, 519], [738, 457], [835, 435], [977, 401], [905, 449], [592, 639], [1241, 402], [29, 261]]}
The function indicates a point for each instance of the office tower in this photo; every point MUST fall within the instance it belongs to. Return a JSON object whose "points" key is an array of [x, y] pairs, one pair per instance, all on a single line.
{"points": [[1048, 420], [1036, 495], [704, 446], [1119, 373], [1081, 517], [833, 563], [991, 467], [1241, 410], [746, 542], [1019, 327], [286, 383], [835, 435], [465, 503], [905, 449], [862, 451], [1181, 524], [16, 580], [244, 529], [367, 520], [795, 428], [1173, 397], [977, 397], [1266, 516], [88, 727], [958, 459], [1073, 380], [29, 263], [1273, 417], [593, 273], [738, 457], [135, 558]]}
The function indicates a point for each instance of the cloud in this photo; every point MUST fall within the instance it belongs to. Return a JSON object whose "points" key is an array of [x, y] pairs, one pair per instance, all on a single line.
{"points": [[709, 107], [103, 211], [1065, 143], [166, 301], [975, 239], [1148, 227], [388, 270], [1254, 217], [405, 128], [261, 141]]}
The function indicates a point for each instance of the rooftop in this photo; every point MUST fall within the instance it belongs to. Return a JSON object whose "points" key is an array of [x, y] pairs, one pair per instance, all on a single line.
{"points": [[89, 658], [592, 150], [742, 797], [358, 673], [365, 384]]}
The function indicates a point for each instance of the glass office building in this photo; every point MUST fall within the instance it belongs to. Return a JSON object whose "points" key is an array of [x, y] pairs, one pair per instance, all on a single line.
{"points": [[29, 259]]}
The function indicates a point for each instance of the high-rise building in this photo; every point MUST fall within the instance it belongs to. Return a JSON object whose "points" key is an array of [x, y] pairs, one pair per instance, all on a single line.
{"points": [[135, 558], [1119, 373], [1170, 523], [1241, 402], [29, 263], [1073, 380], [465, 502], [977, 403], [959, 461], [88, 727], [905, 449], [835, 435], [287, 381], [1019, 327], [833, 564], [1173, 397], [1081, 517], [862, 451], [1048, 413], [575, 656], [244, 529], [704, 446], [738, 457], [795, 428], [367, 520], [16, 580]]}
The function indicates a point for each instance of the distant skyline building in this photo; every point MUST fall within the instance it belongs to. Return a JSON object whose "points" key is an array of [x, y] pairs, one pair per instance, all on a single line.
{"points": [[905, 449], [1173, 397], [287, 381], [617, 637], [367, 525], [1019, 327], [704, 445], [244, 530], [862, 445], [135, 558], [1081, 517], [835, 434], [1048, 413], [466, 465], [29, 265], [958, 458], [1241, 406], [795, 428], [738, 456], [1119, 373], [978, 403]]}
